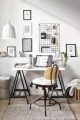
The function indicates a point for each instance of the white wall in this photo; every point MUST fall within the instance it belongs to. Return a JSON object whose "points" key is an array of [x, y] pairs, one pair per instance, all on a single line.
{"points": [[13, 10]]}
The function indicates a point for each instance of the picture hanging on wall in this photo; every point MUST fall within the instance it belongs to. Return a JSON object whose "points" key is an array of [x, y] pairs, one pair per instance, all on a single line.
{"points": [[26, 14], [71, 50], [27, 44], [11, 51], [27, 29]]}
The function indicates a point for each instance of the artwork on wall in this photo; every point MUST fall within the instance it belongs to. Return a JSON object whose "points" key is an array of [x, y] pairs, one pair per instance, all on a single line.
{"points": [[27, 44], [26, 14], [11, 51], [27, 29], [71, 50], [49, 41]]}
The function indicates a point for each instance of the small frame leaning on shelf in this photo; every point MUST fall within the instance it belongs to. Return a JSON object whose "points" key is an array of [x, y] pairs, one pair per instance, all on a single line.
{"points": [[49, 37], [11, 51], [71, 50]]}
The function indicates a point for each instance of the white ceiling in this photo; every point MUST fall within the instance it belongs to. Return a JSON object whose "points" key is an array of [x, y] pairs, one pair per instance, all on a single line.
{"points": [[65, 10]]}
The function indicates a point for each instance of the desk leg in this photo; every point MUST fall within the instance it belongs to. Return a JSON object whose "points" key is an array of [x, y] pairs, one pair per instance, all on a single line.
{"points": [[23, 81], [61, 83], [26, 83], [23, 86], [14, 86]]}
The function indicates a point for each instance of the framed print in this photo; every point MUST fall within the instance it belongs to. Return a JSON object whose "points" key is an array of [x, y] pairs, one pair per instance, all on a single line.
{"points": [[27, 44], [26, 14], [27, 29], [71, 50], [43, 60], [11, 51]]}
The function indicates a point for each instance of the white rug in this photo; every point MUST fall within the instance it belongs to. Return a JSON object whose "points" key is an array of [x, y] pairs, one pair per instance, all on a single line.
{"points": [[22, 112]]}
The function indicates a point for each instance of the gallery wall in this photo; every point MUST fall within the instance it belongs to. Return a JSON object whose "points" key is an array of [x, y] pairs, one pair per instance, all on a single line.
{"points": [[13, 11]]}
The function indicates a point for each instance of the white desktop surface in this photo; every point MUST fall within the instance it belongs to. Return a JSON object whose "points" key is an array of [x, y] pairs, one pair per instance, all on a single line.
{"points": [[35, 68]]}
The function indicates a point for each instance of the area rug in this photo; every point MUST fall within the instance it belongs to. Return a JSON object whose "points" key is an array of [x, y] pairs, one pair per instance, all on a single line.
{"points": [[22, 112]]}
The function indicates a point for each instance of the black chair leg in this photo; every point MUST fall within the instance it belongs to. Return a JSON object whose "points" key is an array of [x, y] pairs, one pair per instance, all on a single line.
{"points": [[45, 100]]}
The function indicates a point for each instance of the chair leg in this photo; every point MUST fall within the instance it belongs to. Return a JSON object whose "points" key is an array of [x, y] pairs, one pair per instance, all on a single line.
{"points": [[45, 100], [54, 100]]}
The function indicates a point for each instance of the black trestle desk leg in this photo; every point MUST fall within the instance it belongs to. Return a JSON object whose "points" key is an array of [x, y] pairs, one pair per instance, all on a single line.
{"points": [[26, 83], [45, 100], [60, 81], [23, 87], [14, 86]]}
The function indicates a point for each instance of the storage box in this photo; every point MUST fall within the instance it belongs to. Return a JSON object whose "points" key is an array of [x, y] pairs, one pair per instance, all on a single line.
{"points": [[76, 94]]}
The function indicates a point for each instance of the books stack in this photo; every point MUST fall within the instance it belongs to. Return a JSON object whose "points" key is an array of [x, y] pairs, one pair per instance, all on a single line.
{"points": [[20, 65]]}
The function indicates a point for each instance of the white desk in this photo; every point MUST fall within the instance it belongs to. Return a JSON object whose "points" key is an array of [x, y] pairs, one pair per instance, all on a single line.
{"points": [[20, 72], [35, 68]]}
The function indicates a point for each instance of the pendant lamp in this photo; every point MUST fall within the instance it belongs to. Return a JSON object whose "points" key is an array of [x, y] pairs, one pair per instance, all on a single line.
{"points": [[8, 31]]}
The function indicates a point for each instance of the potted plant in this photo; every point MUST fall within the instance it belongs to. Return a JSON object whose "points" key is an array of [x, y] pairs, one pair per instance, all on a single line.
{"points": [[64, 58]]}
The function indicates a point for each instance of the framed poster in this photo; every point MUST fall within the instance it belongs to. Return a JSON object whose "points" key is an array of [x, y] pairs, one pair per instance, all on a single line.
{"points": [[27, 44], [27, 29], [71, 50], [26, 14], [11, 51]]}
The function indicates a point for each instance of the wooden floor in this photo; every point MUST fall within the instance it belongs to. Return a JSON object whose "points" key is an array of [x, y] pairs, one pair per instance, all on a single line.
{"points": [[75, 106]]}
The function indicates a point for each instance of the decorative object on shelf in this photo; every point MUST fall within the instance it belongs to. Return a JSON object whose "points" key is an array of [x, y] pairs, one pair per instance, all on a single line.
{"points": [[49, 37], [8, 31], [3, 54], [11, 51], [43, 60], [26, 14], [27, 29], [64, 58], [27, 44], [71, 50]]}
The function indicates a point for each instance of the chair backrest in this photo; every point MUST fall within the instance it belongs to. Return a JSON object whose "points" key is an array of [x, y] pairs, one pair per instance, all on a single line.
{"points": [[51, 73]]}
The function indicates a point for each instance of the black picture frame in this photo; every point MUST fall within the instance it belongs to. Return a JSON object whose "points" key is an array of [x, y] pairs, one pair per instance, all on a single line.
{"points": [[27, 15], [26, 44], [43, 60], [71, 50], [11, 51]]}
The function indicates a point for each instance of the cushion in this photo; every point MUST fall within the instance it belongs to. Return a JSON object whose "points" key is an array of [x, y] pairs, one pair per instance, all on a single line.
{"points": [[51, 73], [42, 81]]}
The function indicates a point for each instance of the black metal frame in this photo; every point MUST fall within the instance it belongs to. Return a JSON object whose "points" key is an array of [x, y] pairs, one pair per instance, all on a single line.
{"points": [[30, 17], [24, 84], [24, 42], [74, 49]]}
